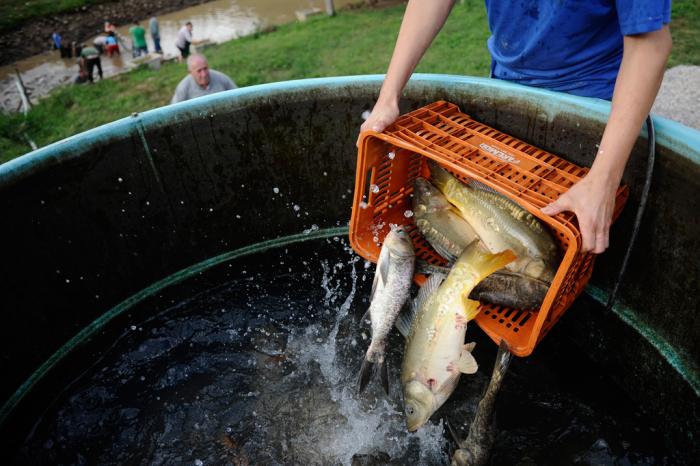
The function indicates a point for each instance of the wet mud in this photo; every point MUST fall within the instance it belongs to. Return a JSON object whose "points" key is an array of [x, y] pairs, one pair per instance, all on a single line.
{"points": [[35, 36]]}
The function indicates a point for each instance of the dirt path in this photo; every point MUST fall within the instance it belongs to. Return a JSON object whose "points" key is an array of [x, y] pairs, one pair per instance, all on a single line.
{"points": [[34, 37]]}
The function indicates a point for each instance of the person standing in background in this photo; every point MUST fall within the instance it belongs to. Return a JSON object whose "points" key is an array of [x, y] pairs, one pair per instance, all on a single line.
{"points": [[111, 45], [100, 43], [138, 37], [155, 33], [56, 41], [91, 59], [184, 39]]}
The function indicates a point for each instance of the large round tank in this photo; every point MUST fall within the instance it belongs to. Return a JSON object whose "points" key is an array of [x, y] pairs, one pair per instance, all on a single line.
{"points": [[95, 223]]}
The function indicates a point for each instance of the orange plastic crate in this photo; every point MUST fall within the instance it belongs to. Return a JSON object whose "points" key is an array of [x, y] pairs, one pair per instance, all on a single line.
{"points": [[387, 164]]}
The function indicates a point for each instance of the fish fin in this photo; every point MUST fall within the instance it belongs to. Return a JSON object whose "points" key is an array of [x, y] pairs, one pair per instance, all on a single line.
{"points": [[366, 372], [403, 323], [449, 384], [443, 251], [466, 363], [382, 272], [426, 268], [384, 376], [470, 308], [366, 315], [485, 263], [405, 320]]}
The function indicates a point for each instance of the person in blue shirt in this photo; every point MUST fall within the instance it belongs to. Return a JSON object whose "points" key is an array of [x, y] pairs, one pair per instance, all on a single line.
{"points": [[611, 49]]}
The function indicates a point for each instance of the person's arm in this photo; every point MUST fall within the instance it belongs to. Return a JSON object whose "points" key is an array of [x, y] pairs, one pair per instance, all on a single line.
{"points": [[421, 22], [592, 199]]}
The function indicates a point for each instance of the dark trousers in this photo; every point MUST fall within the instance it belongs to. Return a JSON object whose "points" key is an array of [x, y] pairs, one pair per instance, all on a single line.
{"points": [[156, 42], [185, 51], [91, 63]]}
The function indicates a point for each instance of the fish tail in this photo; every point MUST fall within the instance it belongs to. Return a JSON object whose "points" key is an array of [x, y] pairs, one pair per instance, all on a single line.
{"points": [[369, 367], [366, 372], [485, 263]]}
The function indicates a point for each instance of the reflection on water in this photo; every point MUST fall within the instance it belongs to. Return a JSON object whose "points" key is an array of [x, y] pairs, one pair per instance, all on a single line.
{"points": [[216, 21]]}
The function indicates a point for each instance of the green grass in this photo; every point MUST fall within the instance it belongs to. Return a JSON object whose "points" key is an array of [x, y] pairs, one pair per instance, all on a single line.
{"points": [[14, 13], [685, 29], [354, 42]]}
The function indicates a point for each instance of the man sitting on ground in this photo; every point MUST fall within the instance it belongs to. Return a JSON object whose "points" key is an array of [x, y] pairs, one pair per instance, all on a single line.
{"points": [[201, 80]]}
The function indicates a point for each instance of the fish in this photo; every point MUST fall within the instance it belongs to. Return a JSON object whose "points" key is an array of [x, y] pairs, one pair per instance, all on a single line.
{"points": [[440, 222], [511, 289], [501, 224], [390, 291], [503, 287], [435, 353], [448, 233], [476, 448]]}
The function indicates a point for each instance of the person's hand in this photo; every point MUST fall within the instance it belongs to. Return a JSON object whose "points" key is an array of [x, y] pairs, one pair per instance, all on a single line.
{"points": [[383, 114], [592, 199]]}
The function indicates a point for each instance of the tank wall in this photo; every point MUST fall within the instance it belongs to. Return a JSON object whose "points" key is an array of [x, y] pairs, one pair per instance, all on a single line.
{"points": [[94, 219]]}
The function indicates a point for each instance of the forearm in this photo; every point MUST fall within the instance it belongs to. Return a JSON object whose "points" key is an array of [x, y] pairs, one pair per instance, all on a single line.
{"points": [[643, 63], [421, 23]]}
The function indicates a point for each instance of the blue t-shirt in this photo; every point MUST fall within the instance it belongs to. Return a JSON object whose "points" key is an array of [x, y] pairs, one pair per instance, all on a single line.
{"points": [[572, 46]]}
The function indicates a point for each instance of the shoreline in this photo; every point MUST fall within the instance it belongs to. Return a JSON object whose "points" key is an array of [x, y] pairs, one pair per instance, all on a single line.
{"points": [[33, 37]]}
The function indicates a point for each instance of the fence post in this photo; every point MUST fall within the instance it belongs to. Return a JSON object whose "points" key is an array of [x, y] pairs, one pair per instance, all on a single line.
{"points": [[23, 94], [330, 9]]}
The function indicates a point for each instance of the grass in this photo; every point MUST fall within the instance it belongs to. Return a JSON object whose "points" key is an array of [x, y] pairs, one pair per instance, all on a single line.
{"points": [[685, 29], [14, 13], [354, 42]]}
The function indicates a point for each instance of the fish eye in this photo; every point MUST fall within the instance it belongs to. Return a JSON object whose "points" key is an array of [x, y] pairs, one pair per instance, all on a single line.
{"points": [[410, 411]]}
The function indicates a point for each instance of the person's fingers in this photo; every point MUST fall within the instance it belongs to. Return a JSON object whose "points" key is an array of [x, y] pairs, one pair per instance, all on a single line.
{"points": [[560, 205], [602, 238], [374, 124], [588, 235]]}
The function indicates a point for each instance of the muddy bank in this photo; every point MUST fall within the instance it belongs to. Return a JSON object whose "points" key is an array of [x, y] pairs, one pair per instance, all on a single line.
{"points": [[34, 37]]}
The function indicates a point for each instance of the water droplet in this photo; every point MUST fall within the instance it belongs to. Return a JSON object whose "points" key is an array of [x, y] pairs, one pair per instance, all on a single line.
{"points": [[133, 327], [391, 155], [363, 205], [276, 190], [296, 208], [374, 188], [365, 115], [408, 213], [120, 179]]}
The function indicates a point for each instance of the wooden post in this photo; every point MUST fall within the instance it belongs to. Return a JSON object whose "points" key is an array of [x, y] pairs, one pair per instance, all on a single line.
{"points": [[330, 9], [23, 94]]}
